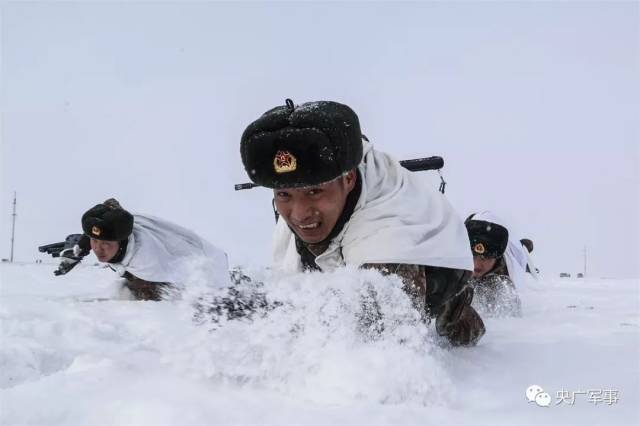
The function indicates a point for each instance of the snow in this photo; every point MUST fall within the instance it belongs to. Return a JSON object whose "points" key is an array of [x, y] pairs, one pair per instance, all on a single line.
{"points": [[74, 351]]}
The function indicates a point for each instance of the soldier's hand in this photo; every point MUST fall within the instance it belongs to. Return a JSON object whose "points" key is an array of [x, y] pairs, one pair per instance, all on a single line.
{"points": [[467, 330], [78, 243], [459, 322]]}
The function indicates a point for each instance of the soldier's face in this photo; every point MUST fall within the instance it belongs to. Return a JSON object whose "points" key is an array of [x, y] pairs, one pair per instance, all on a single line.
{"points": [[312, 212], [482, 265], [104, 250]]}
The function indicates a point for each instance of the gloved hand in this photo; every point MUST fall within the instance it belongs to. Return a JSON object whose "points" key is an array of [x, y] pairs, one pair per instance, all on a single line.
{"points": [[72, 250], [459, 321]]}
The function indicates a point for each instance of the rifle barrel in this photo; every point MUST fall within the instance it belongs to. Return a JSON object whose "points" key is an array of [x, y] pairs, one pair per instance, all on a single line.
{"points": [[47, 247]]}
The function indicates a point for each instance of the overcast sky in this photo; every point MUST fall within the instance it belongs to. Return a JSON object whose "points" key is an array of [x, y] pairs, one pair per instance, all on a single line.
{"points": [[534, 107]]}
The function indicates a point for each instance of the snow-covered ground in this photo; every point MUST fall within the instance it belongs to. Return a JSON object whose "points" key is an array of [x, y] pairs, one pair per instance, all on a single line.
{"points": [[69, 357]]}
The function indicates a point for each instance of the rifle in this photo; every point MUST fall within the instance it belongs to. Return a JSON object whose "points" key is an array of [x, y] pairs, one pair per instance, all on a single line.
{"points": [[71, 250], [413, 165]]}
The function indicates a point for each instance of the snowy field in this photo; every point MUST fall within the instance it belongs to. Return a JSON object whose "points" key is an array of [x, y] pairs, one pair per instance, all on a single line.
{"points": [[68, 357]]}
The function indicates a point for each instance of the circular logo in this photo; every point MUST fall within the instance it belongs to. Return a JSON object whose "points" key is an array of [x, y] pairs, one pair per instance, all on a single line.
{"points": [[284, 162], [479, 248]]}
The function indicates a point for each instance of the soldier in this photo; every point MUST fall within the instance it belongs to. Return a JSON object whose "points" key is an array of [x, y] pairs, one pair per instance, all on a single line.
{"points": [[341, 202], [495, 293], [517, 256], [155, 257]]}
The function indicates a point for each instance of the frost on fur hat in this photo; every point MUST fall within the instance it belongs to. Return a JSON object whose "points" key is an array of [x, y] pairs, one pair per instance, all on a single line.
{"points": [[107, 221], [296, 146], [487, 239]]}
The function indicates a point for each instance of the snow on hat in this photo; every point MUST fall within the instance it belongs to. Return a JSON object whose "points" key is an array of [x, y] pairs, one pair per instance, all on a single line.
{"points": [[305, 145], [107, 221], [487, 239]]}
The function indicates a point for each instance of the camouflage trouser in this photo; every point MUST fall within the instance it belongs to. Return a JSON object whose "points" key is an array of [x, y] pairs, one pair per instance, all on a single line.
{"points": [[146, 290]]}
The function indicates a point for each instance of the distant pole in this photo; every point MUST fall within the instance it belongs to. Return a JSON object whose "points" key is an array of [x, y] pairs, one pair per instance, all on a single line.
{"points": [[13, 226], [584, 269]]}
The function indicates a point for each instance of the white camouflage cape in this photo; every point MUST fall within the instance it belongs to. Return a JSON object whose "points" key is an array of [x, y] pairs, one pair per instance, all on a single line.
{"points": [[399, 218], [160, 251]]}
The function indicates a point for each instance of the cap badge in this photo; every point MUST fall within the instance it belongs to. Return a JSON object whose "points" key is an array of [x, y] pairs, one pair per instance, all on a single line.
{"points": [[284, 162], [479, 248], [96, 231]]}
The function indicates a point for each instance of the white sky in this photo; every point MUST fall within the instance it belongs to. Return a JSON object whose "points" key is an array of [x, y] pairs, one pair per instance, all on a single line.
{"points": [[534, 107]]}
